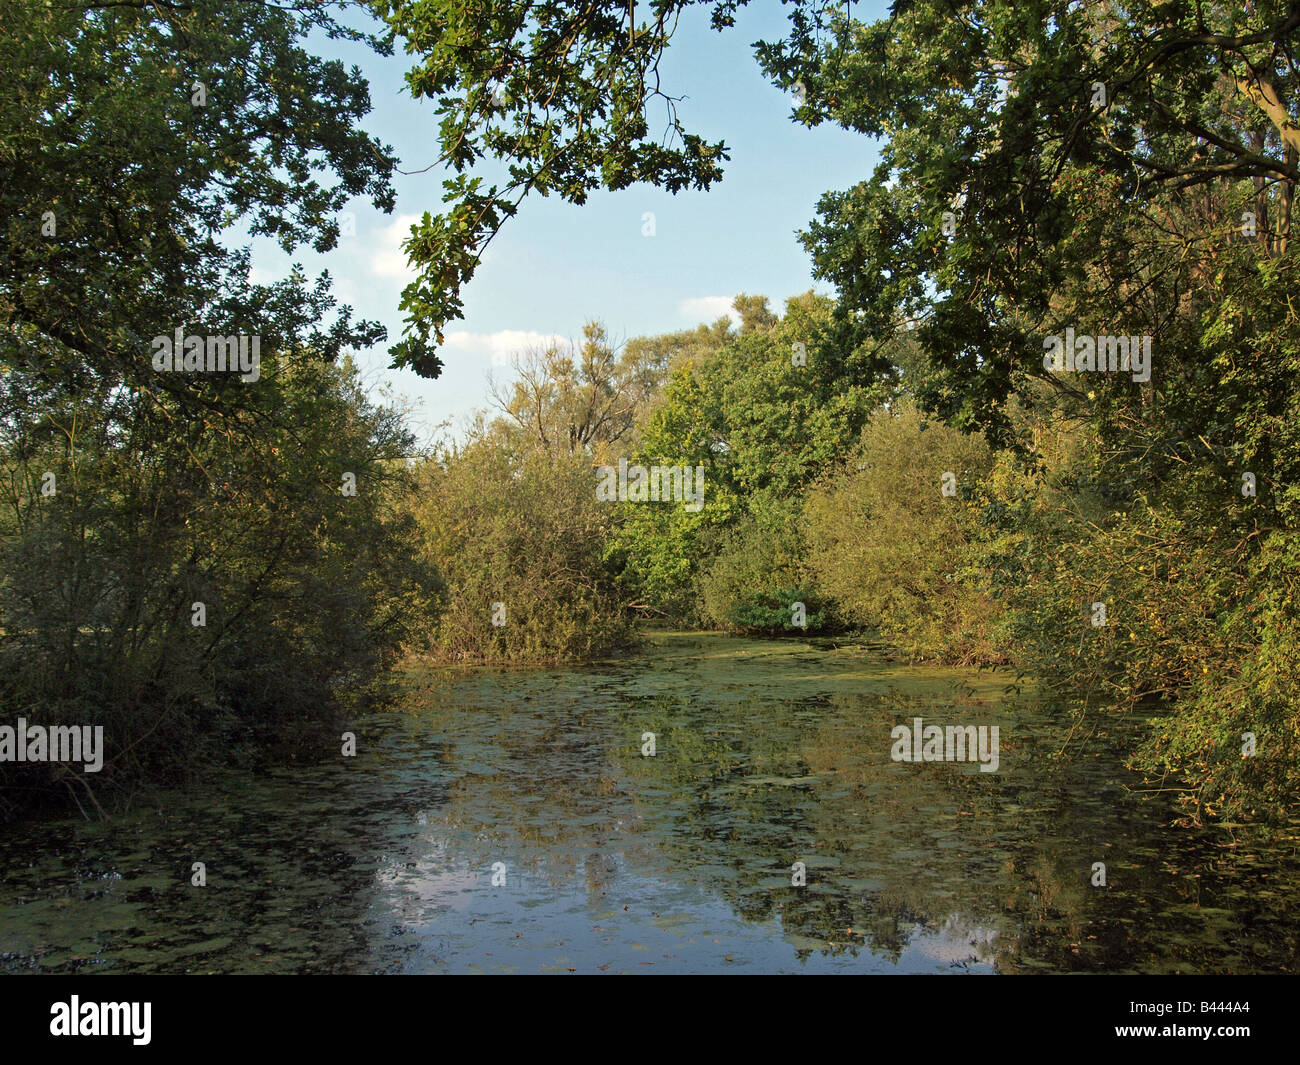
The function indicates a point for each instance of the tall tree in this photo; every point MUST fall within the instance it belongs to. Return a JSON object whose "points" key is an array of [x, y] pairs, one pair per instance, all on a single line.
{"points": [[133, 138], [581, 399]]}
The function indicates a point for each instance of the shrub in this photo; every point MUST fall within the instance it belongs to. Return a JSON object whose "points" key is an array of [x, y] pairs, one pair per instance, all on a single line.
{"points": [[896, 555], [522, 528], [305, 592]]}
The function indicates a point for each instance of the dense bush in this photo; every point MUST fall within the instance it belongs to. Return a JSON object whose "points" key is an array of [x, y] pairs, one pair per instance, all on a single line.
{"points": [[894, 553], [512, 524], [758, 575], [305, 592], [1199, 633]]}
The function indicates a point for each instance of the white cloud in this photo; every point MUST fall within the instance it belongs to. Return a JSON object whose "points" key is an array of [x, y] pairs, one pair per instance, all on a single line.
{"points": [[264, 275], [705, 308], [386, 258], [499, 346]]}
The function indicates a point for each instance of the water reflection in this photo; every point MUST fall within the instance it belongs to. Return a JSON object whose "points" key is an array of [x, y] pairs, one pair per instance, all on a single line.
{"points": [[767, 754]]}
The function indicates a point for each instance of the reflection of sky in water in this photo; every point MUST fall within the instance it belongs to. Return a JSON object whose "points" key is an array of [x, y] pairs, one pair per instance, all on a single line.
{"points": [[768, 753], [460, 923]]}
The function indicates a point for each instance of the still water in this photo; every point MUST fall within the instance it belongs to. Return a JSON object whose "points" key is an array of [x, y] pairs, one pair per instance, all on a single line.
{"points": [[766, 754]]}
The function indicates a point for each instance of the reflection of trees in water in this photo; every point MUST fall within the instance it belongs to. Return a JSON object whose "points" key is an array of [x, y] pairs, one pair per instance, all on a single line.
{"points": [[943, 844], [323, 869], [546, 793], [738, 790], [290, 878], [998, 862], [810, 781], [961, 865]]}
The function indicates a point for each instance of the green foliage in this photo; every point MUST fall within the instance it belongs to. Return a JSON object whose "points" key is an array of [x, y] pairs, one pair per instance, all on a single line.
{"points": [[995, 117], [1164, 210], [99, 128], [306, 593], [895, 554], [757, 576], [1199, 632], [1248, 691], [522, 528], [659, 547], [1010, 204], [560, 96], [763, 414], [1045, 166], [133, 137]]}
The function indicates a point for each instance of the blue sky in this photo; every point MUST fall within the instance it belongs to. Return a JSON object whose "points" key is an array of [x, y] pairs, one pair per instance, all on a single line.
{"points": [[555, 266]]}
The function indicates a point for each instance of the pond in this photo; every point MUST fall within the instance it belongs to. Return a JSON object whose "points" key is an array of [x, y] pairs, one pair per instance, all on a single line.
{"points": [[510, 822]]}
